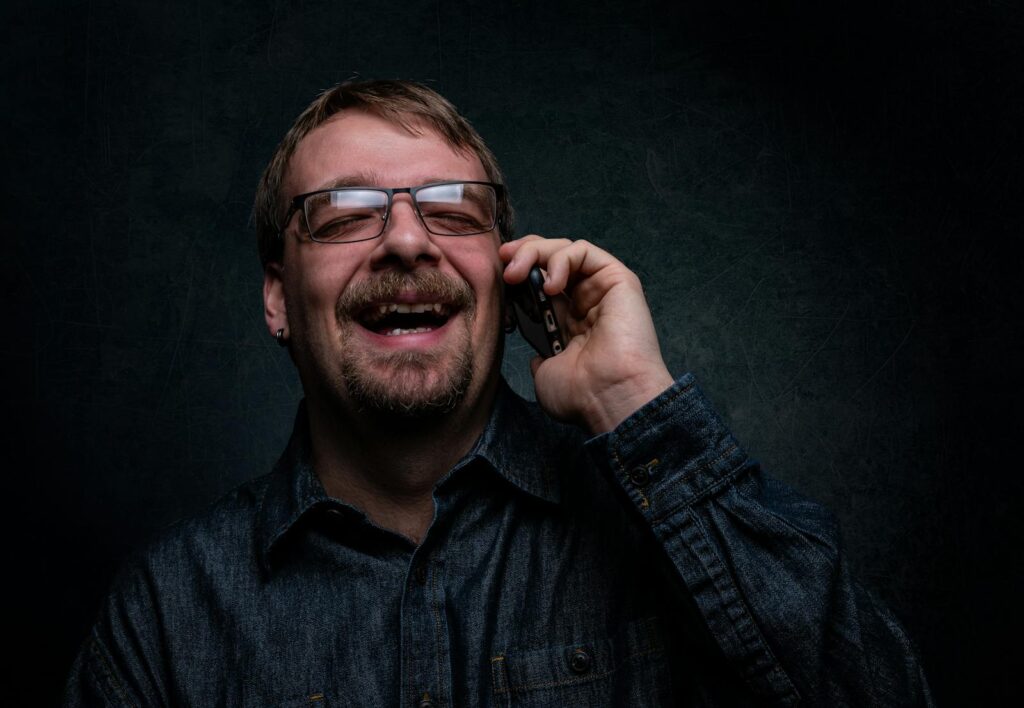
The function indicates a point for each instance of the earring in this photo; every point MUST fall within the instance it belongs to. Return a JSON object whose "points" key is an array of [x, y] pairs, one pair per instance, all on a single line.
{"points": [[280, 338]]}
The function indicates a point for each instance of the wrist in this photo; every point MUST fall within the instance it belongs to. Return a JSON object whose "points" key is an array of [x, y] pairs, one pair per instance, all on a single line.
{"points": [[620, 400]]}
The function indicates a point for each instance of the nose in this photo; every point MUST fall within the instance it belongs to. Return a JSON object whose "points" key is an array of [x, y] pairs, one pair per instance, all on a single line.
{"points": [[405, 243]]}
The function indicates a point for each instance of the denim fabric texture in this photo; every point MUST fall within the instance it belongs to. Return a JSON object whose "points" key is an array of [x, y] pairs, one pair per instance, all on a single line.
{"points": [[654, 565]]}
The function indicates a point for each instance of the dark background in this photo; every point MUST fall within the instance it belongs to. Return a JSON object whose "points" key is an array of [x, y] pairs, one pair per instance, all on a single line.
{"points": [[822, 199]]}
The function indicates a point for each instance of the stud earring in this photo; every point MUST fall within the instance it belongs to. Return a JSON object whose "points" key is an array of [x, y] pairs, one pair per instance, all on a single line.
{"points": [[280, 338]]}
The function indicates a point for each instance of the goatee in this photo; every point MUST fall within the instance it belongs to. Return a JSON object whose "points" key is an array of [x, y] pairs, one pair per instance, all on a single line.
{"points": [[410, 384]]}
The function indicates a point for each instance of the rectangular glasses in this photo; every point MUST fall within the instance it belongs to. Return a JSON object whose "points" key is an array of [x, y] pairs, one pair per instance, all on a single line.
{"points": [[350, 214]]}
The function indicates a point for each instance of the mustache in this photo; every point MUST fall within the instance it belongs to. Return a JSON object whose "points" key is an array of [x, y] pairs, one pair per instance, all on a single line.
{"points": [[430, 285]]}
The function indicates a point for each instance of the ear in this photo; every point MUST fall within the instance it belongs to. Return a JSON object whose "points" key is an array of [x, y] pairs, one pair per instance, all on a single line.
{"points": [[274, 308]]}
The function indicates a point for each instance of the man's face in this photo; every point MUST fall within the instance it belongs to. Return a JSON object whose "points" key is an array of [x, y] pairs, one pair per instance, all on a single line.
{"points": [[343, 303]]}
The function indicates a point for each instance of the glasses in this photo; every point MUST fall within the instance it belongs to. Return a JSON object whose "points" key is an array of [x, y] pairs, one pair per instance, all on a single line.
{"points": [[351, 214]]}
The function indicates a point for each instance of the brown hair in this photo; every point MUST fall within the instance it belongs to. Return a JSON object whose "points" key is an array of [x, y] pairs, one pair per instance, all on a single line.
{"points": [[403, 103]]}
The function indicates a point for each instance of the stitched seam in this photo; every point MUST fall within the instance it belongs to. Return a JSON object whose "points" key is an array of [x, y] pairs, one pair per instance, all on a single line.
{"points": [[553, 684], [435, 606], [498, 682], [774, 668], [577, 680], [710, 490], [655, 648], [95, 647], [639, 654]]}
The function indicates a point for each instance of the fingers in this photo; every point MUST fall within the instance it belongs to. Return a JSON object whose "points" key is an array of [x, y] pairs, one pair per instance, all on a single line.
{"points": [[579, 260], [565, 261], [524, 253]]}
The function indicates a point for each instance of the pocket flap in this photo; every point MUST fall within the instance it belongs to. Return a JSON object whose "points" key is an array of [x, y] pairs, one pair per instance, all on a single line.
{"points": [[580, 662]]}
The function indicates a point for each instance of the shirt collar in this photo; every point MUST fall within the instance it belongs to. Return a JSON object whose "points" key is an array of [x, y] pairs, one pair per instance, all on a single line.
{"points": [[524, 446], [520, 443], [292, 490]]}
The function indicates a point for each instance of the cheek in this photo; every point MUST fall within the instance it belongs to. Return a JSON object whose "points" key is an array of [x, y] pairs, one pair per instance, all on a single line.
{"points": [[318, 283], [483, 270]]}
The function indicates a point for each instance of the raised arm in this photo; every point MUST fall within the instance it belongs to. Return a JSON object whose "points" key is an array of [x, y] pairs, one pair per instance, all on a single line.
{"points": [[763, 565]]}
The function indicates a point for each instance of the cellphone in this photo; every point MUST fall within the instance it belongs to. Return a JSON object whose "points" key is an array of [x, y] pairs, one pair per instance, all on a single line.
{"points": [[535, 316]]}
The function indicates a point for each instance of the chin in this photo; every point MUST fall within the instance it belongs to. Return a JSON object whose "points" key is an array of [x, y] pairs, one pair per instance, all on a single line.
{"points": [[409, 384]]}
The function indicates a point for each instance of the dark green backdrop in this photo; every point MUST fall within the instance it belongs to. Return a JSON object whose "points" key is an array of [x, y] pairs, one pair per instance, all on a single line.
{"points": [[820, 201]]}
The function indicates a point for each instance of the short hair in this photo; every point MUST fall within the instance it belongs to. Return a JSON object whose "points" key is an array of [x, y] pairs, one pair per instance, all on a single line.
{"points": [[404, 103]]}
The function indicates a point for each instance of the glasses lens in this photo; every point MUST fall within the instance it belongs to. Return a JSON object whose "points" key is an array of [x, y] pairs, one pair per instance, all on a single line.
{"points": [[346, 215], [457, 209]]}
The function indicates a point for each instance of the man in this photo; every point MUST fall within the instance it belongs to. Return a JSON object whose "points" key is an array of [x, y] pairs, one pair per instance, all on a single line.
{"points": [[429, 539]]}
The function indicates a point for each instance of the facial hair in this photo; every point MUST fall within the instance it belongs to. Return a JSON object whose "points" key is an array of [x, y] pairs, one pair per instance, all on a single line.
{"points": [[409, 384]]}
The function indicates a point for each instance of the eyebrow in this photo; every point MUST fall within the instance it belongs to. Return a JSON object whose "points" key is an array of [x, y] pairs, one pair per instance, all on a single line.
{"points": [[357, 179], [372, 179]]}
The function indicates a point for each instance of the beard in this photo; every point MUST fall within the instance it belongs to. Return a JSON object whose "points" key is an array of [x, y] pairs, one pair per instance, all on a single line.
{"points": [[409, 384], [416, 388]]}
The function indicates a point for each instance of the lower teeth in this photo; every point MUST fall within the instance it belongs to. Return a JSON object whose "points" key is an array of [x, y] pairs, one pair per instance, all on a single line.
{"points": [[397, 331]]}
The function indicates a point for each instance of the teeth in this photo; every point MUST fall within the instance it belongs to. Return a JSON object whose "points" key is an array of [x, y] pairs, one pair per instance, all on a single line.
{"points": [[381, 310], [397, 331]]}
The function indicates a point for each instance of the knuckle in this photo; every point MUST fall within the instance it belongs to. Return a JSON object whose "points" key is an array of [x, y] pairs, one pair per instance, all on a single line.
{"points": [[632, 279]]}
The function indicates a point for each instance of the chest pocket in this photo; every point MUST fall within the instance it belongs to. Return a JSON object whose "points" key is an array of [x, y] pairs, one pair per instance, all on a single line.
{"points": [[630, 669]]}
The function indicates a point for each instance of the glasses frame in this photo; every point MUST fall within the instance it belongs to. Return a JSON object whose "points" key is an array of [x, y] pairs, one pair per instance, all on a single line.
{"points": [[298, 203]]}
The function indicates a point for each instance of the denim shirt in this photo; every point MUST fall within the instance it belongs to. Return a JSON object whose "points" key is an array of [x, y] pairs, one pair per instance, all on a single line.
{"points": [[654, 565]]}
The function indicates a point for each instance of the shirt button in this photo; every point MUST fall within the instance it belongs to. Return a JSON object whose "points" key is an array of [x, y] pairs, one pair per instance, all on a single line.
{"points": [[420, 575], [640, 475], [580, 661]]}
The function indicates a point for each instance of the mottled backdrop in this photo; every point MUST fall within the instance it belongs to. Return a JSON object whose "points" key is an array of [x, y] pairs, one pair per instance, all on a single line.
{"points": [[821, 201]]}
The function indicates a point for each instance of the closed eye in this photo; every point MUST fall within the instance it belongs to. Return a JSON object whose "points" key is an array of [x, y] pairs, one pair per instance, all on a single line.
{"points": [[346, 226]]}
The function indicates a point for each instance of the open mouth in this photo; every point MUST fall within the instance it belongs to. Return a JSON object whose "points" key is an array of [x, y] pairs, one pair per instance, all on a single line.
{"points": [[394, 318]]}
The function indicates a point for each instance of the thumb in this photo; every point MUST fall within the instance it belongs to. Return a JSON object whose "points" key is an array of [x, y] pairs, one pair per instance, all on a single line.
{"points": [[535, 363]]}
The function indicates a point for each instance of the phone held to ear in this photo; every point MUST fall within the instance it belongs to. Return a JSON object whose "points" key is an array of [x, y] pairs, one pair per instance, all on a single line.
{"points": [[535, 316]]}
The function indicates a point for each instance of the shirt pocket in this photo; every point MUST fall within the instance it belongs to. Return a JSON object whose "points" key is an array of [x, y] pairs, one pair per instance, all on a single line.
{"points": [[629, 669]]}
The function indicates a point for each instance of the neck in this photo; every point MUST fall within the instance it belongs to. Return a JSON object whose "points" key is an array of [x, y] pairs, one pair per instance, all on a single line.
{"points": [[388, 465]]}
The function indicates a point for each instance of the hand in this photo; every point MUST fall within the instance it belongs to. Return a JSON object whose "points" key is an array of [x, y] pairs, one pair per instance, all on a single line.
{"points": [[612, 364]]}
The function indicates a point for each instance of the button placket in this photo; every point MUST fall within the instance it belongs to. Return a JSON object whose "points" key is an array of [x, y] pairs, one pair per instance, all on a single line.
{"points": [[426, 653], [421, 572]]}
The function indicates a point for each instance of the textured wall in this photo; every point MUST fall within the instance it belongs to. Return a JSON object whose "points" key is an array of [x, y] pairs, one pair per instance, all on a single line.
{"points": [[819, 200]]}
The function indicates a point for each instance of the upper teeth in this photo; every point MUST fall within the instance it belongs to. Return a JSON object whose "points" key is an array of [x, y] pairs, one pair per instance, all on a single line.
{"points": [[404, 308], [378, 312]]}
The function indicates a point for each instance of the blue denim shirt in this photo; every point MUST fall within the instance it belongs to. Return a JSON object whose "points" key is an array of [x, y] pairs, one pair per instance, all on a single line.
{"points": [[654, 565]]}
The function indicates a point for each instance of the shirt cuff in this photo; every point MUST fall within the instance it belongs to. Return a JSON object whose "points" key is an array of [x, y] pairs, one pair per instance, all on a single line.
{"points": [[671, 453]]}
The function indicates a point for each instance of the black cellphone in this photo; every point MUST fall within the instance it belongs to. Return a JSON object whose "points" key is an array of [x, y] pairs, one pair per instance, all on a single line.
{"points": [[534, 314]]}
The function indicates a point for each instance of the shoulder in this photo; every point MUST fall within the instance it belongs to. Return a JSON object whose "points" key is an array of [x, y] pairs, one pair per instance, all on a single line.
{"points": [[188, 559], [226, 525], [164, 593]]}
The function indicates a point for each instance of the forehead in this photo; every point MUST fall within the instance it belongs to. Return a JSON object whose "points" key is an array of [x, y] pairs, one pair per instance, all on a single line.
{"points": [[359, 144]]}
